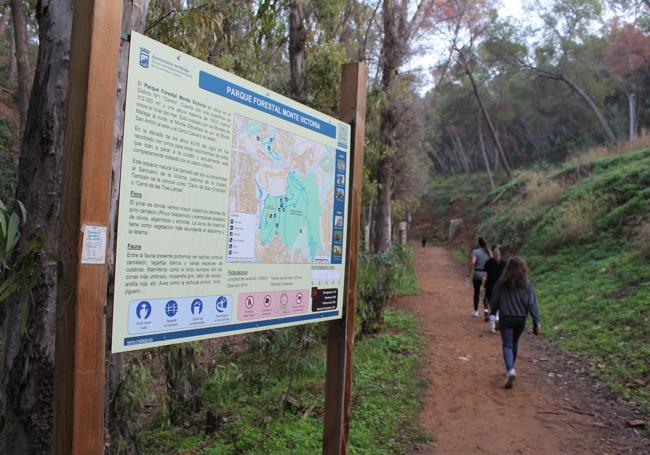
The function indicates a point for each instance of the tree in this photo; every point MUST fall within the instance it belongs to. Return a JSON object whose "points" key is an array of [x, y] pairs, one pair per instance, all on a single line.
{"points": [[567, 24], [466, 23], [297, 44], [22, 58], [399, 30], [465, 61], [628, 58], [29, 351]]}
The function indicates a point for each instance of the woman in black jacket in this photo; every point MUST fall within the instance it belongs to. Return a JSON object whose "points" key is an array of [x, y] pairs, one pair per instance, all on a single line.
{"points": [[494, 267], [514, 298]]}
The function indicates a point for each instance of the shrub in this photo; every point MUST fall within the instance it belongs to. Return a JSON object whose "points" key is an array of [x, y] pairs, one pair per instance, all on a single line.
{"points": [[380, 278]]}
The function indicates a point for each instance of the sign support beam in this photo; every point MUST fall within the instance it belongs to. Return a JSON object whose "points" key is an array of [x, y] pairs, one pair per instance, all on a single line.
{"points": [[340, 336], [81, 321]]}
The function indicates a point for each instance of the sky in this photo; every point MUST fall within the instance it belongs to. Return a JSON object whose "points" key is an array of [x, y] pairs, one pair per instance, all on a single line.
{"points": [[512, 8]]}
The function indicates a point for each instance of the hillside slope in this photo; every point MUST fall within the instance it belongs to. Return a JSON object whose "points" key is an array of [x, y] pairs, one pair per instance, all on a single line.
{"points": [[585, 230]]}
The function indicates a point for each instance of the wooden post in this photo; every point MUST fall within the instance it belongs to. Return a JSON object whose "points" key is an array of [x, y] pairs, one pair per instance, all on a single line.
{"points": [[81, 300], [340, 334]]}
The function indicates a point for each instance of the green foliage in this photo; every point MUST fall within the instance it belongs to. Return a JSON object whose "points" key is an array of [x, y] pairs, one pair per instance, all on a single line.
{"points": [[18, 269], [182, 379], [7, 162], [127, 405], [247, 394], [586, 253], [380, 278]]}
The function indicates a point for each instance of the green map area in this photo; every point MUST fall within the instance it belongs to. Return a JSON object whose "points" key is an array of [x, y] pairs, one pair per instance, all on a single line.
{"points": [[287, 216], [282, 191]]}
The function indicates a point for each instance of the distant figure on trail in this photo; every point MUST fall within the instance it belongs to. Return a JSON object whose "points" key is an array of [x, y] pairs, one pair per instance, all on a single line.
{"points": [[479, 257], [493, 269], [424, 242], [514, 298]]}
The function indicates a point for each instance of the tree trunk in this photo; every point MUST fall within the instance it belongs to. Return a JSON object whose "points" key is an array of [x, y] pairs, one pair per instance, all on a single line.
{"points": [[4, 21], [631, 98], [459, 151], [29, 357], [366, 239], [121, 431], [390, 60], [383, 212], [297, 40], [22, 58], [488, 120], [590, 102], [584, 95], [484, 153], [12, 60]]}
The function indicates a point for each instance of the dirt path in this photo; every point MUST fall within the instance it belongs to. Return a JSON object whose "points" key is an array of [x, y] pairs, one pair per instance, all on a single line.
{"points": [[554, 407]]}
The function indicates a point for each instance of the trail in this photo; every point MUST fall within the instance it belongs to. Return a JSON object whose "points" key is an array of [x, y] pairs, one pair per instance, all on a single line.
{"points": [[554, 408]]}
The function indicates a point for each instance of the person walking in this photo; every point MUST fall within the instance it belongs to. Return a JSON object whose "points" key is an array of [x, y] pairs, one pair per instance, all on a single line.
{"points": [[493, 269], [514, 298], [479, 257]]}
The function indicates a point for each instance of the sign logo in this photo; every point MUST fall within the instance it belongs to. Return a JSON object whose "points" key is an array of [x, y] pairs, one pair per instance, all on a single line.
{"points": [[143, 307], [171, 308], [197, 306], [144, 57], [222, 304]]}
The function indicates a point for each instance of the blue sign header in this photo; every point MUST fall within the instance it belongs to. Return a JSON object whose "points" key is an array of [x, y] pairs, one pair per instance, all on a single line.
{"points": [[249, 98]]}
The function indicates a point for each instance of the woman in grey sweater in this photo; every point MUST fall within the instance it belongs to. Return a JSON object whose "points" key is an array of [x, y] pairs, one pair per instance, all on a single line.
{"points": [[514, 298]]}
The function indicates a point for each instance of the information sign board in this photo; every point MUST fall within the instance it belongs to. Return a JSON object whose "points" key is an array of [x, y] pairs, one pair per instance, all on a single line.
{"points": [[232, 214]]}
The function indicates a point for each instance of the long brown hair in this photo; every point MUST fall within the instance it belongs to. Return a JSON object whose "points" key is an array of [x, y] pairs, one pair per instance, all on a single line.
{"points": [[516, 273], [496, 253], [482, 243]]}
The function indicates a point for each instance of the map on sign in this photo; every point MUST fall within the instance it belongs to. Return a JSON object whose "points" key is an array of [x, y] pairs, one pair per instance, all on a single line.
{"points": [[281, 196]]}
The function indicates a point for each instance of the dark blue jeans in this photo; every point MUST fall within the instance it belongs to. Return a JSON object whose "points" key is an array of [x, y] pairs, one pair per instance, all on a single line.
{"points": [[511, 330]]}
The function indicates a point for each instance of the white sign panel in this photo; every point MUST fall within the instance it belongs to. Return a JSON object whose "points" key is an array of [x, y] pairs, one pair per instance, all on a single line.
{"points": [[233, 200]]}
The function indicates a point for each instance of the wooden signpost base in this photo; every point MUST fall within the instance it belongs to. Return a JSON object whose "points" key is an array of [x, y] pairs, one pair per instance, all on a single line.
{"points": [[81, 301], [340, 334]]}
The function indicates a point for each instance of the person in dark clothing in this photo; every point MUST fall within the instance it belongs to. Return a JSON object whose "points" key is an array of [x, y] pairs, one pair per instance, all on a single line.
{"points": [[476, 271], [493, 269], [513, 296]]}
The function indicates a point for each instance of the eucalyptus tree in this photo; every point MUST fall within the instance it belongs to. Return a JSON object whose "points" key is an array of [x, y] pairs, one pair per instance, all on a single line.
{"points": [[567, 26], [22, 57], [403, 24], [629, 61], [27, 375]]}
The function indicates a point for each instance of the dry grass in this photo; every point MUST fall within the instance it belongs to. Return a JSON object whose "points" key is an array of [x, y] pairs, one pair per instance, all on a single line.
{"points": [[576, 220], [598, 151], [642, 142], [643, 240], [545, 192], [602, 151], [540, 190]]}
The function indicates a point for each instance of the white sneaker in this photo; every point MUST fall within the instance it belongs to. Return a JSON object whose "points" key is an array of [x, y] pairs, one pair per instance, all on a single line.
{"points": [[475, 314], [512, 375], [493, 325]]}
